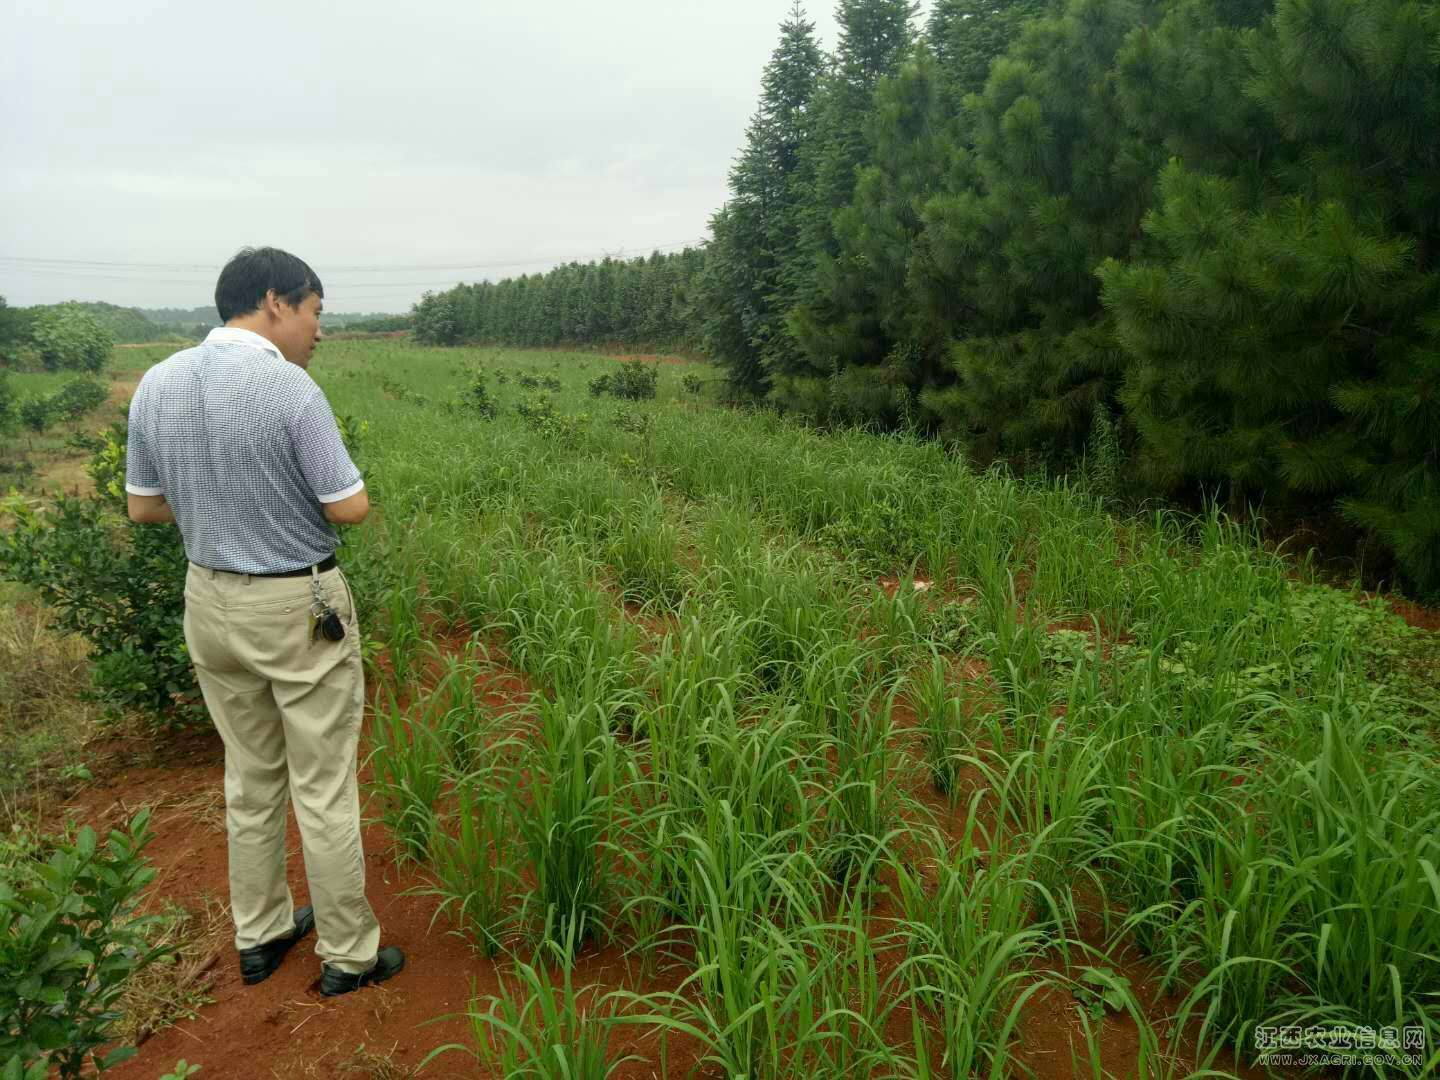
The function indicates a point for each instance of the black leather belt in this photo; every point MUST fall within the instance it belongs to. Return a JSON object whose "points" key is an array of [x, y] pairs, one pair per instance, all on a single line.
{"points": [[327, 564]]}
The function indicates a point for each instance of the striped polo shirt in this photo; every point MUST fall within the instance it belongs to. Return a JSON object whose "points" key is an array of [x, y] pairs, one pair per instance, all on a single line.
{"points": [[245, 449]]}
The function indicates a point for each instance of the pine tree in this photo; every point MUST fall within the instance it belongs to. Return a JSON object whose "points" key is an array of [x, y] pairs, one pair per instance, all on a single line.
{"points": [[875, 38], [1060, 183], [1285, 325], [757, 232], [967, 35], [865, 322]]}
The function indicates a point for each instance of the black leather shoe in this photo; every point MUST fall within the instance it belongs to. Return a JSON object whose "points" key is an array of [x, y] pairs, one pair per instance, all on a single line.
{"points": [[334, 982], [259, 962]]}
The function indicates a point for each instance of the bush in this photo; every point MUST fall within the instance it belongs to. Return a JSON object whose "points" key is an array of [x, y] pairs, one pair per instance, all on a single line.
{"points": [[540, 415], [69, 942], [691, 383], [119, 585], [14, 330], [477, 399], [600, 386], [79, 396], [70, 339], [36, 412], [635, 381]]}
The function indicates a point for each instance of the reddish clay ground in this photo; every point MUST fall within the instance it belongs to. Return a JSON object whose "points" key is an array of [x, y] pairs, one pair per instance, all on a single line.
{"points": [[1426, 618], [283, 1028]]}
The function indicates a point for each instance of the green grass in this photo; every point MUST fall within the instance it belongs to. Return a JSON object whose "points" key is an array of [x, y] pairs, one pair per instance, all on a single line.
{"points": [[860, 828]]}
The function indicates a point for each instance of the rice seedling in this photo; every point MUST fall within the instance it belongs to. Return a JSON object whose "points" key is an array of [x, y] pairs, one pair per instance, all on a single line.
{"points": [[473, 866], [543, 1029], [969, 937], [941, 715], [567, 783], [409, 763]]}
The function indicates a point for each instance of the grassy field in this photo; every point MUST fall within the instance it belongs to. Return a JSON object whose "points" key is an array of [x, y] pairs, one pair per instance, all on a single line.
{"points": [[867, 743], [863, 754]]}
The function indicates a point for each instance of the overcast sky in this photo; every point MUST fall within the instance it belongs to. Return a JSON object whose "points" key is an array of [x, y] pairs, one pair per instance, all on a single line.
{"points": [[395, 146]]}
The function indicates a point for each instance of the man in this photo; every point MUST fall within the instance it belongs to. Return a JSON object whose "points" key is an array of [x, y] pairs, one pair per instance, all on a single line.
{"points": [[233, 441]]}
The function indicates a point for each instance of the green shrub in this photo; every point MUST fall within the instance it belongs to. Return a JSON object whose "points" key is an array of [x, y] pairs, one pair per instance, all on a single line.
{"points": [[692, 383], [79, 396], [119, 585], [14, 330], [600, 385], [635, 381], [68, 338], [478, 400], [36, 412], [69, 942], [539, 413]]}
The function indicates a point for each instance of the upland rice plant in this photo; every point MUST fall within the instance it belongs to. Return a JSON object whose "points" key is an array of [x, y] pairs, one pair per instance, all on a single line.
{"points": [[1231, 759], [539, 1029], [568, 782], [410, 761], [970, 935], [940, 714], [776, 988], [473, 865]]}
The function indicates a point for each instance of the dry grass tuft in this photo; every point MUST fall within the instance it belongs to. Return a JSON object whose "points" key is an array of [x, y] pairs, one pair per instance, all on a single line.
{"points": [[43, 673], [173, 989], [205, 807], [366, 1063]]}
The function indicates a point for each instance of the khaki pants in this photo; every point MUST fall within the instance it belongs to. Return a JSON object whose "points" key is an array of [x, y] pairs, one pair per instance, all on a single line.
{"points": [[289, 712]]}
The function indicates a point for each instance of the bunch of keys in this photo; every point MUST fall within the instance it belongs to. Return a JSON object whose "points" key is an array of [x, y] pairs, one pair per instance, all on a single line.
{"points": [[324, 622]]}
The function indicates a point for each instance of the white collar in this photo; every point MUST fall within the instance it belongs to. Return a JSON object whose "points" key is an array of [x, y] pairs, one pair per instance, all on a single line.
{"points": [[234, 335]]}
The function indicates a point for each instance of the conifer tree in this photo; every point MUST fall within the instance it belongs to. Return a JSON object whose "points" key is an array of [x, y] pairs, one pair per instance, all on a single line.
{"points": [[1285, 327], [863, 321], [757, 231], [1060, 183], [966, 35], [875, 38]]}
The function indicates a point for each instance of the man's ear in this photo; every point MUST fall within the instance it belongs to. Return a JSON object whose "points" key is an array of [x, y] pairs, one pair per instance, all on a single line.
{"points": [[271, 303]]}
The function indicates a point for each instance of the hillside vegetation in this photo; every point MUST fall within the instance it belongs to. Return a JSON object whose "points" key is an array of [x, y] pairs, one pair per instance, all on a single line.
{"points": [[1201, 231]]}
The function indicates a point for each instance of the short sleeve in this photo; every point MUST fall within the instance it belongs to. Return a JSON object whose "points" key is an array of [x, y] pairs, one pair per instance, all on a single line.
{"points": [[321, 452], [142, 472]]}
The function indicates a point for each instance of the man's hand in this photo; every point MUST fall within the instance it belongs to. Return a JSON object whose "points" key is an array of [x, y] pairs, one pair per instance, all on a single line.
{"points": [[351, 511], [149, 509]]}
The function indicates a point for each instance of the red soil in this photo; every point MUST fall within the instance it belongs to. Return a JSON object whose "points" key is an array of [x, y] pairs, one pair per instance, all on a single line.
{"points": [[1426, 618], [284, 1028]]}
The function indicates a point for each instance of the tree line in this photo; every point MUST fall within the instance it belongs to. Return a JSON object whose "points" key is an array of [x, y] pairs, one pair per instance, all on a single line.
{"points": [[643, 301], [1203, 230]]}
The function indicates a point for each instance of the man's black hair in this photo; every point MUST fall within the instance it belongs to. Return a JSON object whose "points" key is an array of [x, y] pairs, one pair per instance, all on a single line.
{"points": [[255, 271]]}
